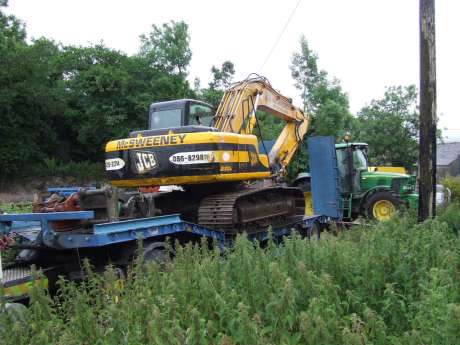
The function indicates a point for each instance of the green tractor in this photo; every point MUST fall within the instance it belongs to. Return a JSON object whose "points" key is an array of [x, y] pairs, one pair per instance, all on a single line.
{"points": [[374, 195]]}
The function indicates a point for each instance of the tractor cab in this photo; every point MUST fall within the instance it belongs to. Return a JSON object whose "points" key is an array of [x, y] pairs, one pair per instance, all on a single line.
{"points": [[352, 162], [179, 113], [373, 194]]}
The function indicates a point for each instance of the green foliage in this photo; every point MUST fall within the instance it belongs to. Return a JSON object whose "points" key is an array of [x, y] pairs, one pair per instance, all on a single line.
{"points": [[222, 76], [222, 79], [450, 216], [9, 254], [323, 100], [390, 126], [29, 101], [81, 172], [24, 207], [453, 183], [167, 47], [64, 103], [397, 283]]}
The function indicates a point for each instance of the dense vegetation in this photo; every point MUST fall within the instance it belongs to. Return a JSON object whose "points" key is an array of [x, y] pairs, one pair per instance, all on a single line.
{"points": [[397, 283], [60, 104], [453, 184]]}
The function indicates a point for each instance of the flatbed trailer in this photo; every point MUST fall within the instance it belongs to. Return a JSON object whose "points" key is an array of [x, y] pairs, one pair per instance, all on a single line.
{"points": [[58, 253], [33, 232]]}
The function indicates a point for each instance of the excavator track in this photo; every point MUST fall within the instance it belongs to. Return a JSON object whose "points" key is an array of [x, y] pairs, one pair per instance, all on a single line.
{"points": [[251, 210]]}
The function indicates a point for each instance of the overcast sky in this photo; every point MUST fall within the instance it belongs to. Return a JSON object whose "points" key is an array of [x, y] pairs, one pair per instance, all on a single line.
{"points": [[366, 44]]}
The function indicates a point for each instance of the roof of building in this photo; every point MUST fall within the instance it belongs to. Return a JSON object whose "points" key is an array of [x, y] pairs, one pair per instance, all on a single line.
{"points": [[447, 153]]}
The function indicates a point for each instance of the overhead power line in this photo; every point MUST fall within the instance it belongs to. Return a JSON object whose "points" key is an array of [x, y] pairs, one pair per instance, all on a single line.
{"points": [[279, 36]]}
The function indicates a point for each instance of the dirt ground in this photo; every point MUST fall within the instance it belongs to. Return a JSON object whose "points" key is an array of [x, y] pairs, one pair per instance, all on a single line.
{"points": [[19, 192], [15, 197]]}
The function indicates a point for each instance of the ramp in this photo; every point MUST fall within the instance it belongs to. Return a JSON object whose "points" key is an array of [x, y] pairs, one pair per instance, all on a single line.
{"points": [[325, 183]]}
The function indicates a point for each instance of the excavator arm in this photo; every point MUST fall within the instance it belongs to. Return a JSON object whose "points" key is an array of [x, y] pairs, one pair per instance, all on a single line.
{"points": [[237, 114]]}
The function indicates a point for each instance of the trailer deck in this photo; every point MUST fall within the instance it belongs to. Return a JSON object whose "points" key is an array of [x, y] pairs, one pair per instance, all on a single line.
{"points": [[58, 252], [34, 231]]}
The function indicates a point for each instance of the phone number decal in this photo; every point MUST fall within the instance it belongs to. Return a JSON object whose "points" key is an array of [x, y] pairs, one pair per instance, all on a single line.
{"points": [[198, 157]]}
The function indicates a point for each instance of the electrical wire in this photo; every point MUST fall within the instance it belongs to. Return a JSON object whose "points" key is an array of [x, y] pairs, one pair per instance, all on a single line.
{"points": [[279, 36]]}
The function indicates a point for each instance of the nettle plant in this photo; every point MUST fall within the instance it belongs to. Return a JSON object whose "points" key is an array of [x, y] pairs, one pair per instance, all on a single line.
{"points": [[396, 283]]}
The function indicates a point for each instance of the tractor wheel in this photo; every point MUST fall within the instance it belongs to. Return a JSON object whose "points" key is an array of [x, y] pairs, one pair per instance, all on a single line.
{"points": [[314, 233], [381, 206]]}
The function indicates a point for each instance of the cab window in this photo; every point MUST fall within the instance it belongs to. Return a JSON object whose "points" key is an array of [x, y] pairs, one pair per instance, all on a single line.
{"points": [[359, 159], [201, 115], [166, 118]]}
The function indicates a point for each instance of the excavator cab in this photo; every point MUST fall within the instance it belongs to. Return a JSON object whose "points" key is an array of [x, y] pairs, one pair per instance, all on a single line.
{"points": [[179, 113]]}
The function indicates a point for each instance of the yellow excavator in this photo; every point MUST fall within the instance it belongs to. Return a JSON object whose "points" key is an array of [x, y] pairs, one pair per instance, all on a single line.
{"points": [[228, 179]]}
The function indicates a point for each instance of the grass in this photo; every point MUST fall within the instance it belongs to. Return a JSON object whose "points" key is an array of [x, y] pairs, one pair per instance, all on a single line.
{"points": [[24, 207], [397, 283], [9, 254]]}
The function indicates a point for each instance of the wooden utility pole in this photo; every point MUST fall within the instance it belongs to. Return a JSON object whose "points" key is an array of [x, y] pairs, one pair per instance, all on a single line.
{"points": [[427, 158]]}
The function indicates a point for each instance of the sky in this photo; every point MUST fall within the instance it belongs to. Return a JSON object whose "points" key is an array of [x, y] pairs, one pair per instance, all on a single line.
{"points": [[366, 44]]}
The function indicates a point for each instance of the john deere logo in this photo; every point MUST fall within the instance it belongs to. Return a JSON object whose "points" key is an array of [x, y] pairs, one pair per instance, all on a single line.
{"points": [[144, 161]]}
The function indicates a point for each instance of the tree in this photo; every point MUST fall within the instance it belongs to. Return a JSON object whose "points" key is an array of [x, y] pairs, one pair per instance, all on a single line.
{"points": [[391, 126], [108, 92], [168, 47], [307, 76], [65, 103], [29, 101], [11, 28], [323, 100], [222, 79]]}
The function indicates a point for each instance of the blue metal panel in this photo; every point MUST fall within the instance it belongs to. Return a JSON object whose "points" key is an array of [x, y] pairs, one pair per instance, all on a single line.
{"points": [[135, 224], [69, 241], [7, 226], [143, 229], [325, 184], [46, 216], [11, 222], [66, 191]]}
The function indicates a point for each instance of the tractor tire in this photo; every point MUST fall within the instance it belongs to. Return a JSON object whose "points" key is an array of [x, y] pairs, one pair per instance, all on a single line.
{"points": [[382, 205], [314, 233]]}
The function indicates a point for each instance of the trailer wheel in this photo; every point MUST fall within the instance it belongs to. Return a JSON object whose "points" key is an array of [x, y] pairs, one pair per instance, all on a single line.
{"points": [[314, 233], [155, 252], [382, 205], [17, 312]]}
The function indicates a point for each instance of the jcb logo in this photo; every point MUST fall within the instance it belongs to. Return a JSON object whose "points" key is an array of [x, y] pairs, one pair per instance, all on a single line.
{"points": [[145, 161]]}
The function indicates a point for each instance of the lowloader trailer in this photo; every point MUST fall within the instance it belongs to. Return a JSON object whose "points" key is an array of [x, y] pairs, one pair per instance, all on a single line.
{"points": [[57, 252]]}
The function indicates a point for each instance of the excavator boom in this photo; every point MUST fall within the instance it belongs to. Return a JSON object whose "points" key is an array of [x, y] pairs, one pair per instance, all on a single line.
{"points": [[237, 114]]}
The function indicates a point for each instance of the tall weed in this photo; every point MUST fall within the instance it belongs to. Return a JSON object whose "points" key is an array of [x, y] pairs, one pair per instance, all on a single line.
{"points": [[396, 283]]}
